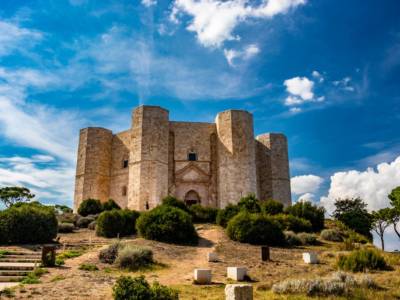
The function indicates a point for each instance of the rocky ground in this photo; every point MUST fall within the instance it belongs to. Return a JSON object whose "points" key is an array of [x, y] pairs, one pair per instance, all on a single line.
{"points": [[176, 264]]}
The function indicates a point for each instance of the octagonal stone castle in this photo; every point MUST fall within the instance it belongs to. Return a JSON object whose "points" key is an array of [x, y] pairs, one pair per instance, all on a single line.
{"points": [[213, 164]]}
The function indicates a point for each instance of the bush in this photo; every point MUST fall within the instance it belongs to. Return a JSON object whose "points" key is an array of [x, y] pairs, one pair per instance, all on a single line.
{"points": [[255, 229], [250, 203], [292, 223], [138, 288], [310, 212], [362, 260], [201, 214], [307, 238], [83, 222], [331, 235], [110, 205], [67, 218], [109, 254], [224, 215], [167, 224], [292, 239], [112, 223], [90, 207], [174, 202], [272, 207], [28, 224], [134, 258], [66, 228]]}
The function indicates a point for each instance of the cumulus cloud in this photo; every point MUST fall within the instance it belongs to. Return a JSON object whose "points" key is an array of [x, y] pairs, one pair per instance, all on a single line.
{"points": [[371, 185], [307, 197], [214, 21], [247, 53], [300, 87], [305, 184]]}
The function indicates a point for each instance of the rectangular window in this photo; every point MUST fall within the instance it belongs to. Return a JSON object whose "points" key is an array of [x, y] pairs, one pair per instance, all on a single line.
{"points": [[124, 191], [192, 156], [125, 164]]}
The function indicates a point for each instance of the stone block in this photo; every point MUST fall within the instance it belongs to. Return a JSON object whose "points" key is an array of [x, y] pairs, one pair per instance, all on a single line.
{"points": [[310, 258], [212, 257], [202, 276], [239, 292], [236, 273]]}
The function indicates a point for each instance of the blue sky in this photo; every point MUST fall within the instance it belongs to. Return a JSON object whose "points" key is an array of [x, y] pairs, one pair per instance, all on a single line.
{"points": [[325, 73]]}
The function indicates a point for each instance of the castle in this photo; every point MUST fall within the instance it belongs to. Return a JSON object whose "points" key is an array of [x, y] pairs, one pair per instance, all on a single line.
{"points": [[213, 164]]}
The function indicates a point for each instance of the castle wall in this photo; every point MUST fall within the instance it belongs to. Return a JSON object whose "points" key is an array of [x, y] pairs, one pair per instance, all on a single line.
{"points": [[93, 165], [119, 173], [275, 157], [236, 156], [148, 162]]}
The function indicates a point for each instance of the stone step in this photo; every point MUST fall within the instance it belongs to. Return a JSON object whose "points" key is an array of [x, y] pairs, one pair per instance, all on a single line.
{"points": [[20, 253], [37, 257], [17, 266], [11, 278], [14, 272], [22, 260], [5, 285]]}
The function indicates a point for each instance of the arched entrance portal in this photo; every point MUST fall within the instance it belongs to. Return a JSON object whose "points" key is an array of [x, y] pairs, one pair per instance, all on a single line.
{"points": [[192, 197]]}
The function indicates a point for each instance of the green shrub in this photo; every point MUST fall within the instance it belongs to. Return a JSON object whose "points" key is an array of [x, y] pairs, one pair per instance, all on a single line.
{"points": [[307, 238], [332, 235], [90, 207], [362, 260], [66, 227], [112, 223], [28, 224], [255, 229], [292, 239], [134, 258], [272, 207], [174, 202], [83, 222], [310, 212], [250, 203], [224, 215], [138, 288], [292, 223], [110, 205], [167, 224], [109, 254], [202, 214], [88, 267]]}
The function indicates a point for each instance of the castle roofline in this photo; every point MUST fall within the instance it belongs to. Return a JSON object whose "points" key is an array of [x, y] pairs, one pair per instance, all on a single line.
{"points": [[151, 106]]}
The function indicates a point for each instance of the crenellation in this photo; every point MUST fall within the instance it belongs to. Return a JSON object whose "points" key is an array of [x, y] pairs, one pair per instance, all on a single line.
{"points": [[209, 163]]}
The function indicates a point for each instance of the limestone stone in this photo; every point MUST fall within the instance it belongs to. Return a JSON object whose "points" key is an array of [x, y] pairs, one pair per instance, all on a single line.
{"points": [[236, 273], [202, 276], [310, 258], [239, 292], [139, 166], [212, 257]]}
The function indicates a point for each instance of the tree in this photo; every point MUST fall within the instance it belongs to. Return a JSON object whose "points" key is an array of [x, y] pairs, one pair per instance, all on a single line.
{"points": [[353, 213], [394, 197], [381, 220], [14, 194]]}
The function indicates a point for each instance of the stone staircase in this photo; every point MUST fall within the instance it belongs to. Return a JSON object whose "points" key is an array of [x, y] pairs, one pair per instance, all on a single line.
{"points": [[15, 264]]}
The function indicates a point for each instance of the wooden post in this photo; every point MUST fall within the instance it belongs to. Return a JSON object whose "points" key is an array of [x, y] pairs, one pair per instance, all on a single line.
{"points": [[48, 255], [264, 253]]}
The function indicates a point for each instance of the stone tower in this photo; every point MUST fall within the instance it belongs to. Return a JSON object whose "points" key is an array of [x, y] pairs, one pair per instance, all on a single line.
{"points": [[236, 156], [213, 164]]}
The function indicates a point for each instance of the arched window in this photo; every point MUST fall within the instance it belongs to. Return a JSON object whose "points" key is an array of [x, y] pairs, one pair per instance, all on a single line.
{"points": [[192, 197], [192, 156]]}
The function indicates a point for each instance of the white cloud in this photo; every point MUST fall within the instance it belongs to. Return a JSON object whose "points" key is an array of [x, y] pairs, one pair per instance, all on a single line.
{"points": [[307, 197], [247, 53], [305, 184], [301, 87], [344, 84], [214, 21], [371, 185], [318, 76], [149, 3], [14, 37]]}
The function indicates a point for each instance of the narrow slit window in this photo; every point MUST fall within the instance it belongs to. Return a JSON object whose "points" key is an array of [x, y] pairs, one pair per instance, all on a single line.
{"points": [[124, 191], [192, 156], [125, 163]]}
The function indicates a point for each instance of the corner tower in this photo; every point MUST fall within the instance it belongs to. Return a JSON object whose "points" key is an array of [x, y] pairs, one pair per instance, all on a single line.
{"points": [[93, 165], [236, 156], [273, 167], [148, 161]]}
